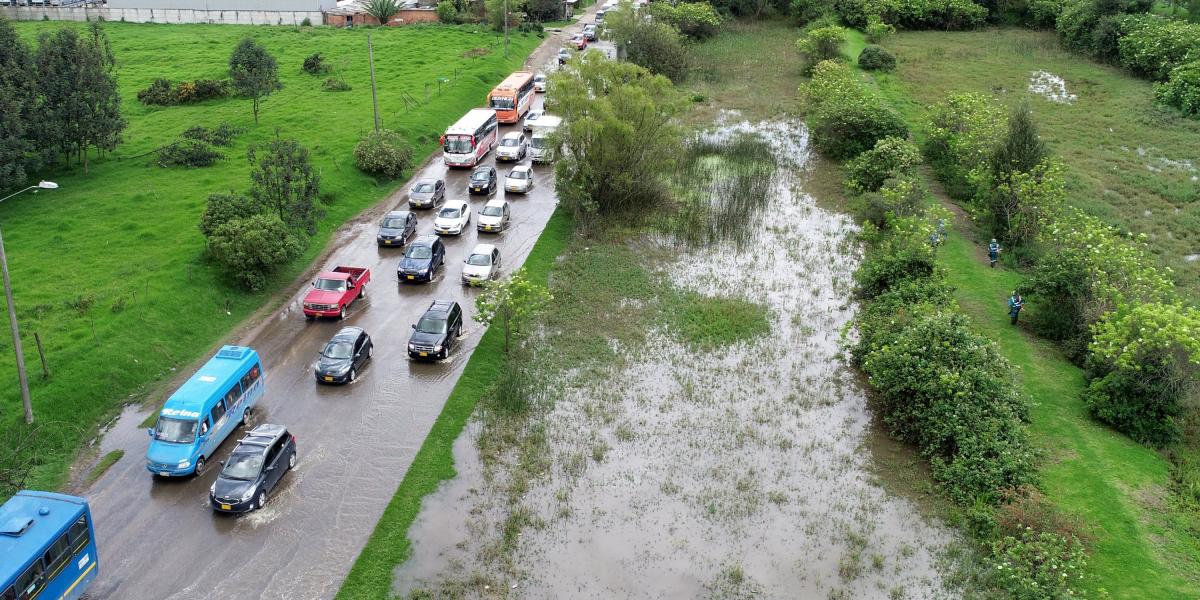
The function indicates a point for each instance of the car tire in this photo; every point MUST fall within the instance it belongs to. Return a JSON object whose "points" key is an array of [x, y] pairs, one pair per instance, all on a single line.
{"points": [[370, 349], [362, 291], [352, 375], [342, 313], [261, 501], [247, 418], [292, 461], [199, 467]]}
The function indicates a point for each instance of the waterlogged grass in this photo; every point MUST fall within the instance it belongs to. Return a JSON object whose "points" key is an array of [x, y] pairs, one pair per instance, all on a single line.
{"points": [[371, 575], [713, 322], [1133, 164], [101, 467], [110, 269]]}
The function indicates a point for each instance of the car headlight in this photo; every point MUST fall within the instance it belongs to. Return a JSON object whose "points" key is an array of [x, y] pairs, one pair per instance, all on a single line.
{"points": [[437, 348], [185, 463], [249, 494], [412, 348], [213, 489]]}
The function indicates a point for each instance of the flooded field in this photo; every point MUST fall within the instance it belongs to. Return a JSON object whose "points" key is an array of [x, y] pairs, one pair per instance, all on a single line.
{"points": [[687, 470]]}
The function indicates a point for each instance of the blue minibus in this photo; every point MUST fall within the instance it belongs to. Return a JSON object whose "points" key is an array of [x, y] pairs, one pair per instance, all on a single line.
{"points": [[203, 411], [47, 547]]}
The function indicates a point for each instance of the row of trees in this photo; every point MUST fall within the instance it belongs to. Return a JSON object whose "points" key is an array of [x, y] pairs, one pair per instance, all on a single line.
{"points": [[59, 100]]}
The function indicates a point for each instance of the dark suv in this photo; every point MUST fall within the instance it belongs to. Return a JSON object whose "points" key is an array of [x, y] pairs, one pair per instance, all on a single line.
{"points": [[341, 358], [483, 181], [437, 332], [253, 469], [423, 257]]}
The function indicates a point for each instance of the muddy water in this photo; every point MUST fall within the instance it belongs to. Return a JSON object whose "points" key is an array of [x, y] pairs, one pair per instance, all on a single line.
{"points": [[688, 474]]}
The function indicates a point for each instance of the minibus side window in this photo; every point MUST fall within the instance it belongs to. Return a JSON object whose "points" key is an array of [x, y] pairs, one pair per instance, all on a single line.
{"points": [[250, 377], [57, 554], [218, 411], [231, 397], [79, 533]]}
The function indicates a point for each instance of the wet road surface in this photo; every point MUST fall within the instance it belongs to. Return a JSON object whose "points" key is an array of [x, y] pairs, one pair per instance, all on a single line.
{"points": [[159, 539]]}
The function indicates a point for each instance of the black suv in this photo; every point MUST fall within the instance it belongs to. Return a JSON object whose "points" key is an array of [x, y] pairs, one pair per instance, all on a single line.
{"points": [[423, 257], [253, 469], [397, 227], [437, 332], [343, 356], [483, 181]]}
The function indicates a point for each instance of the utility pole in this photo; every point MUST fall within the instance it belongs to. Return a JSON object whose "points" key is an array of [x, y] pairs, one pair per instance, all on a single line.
{"points": [[374, 95], [16, 335], [505, 28]]}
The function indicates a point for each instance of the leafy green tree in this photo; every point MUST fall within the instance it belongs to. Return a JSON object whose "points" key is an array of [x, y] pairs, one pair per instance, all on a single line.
{"points": [[223, 208], [446, 12], [254, 71], [696, 20], [99, 105], [891, 157], [382, 10], [17, 96], [543, 10], [1021, 185], [495, 13], [657, 46], [617, 140], [822, 43], [510, 302], [284, 182], [250, 249]]}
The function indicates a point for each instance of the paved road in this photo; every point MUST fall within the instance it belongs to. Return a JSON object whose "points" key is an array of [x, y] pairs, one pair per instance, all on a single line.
{"points": [[160, 539]]}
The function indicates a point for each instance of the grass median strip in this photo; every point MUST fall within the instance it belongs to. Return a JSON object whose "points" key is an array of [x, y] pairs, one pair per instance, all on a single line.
{"points": [[371, 575]]}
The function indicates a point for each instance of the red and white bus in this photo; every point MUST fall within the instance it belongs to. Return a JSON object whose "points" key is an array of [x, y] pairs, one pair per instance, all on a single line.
{"points": [[513, 97], [466, 142]]}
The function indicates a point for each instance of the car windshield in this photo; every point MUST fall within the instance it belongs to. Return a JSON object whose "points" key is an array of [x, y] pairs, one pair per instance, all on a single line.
{"points": [[539, 77], [480, 176], [337, 349], [243, 465], [538, 142], [533, 115], [418, 252], [180, 431], [492, 211], [479, 260], [502, 103], [457, 144], [518, 175], [509, 142], [331, 285], [394, 222], [423, 188], [431, 325], [449, 213]]}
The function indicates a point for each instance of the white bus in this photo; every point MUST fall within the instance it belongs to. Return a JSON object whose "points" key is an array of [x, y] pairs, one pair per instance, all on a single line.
{"points": [[466, 142]]}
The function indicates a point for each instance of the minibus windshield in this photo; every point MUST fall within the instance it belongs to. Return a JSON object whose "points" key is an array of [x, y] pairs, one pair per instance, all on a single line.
{"points": [[179, 431]]}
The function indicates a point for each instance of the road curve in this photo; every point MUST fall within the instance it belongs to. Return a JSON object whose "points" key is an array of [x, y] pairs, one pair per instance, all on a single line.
{"points": [[160, 539]]}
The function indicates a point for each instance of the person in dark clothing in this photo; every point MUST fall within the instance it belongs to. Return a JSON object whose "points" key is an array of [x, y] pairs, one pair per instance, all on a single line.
{"points": [[993, 252], [1015, 303]]}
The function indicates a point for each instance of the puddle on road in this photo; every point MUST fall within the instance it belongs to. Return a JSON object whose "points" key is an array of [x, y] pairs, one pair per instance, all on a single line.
{"points": [[732, 473]]}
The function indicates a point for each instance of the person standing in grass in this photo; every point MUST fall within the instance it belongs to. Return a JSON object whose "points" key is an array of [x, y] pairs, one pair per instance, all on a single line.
{"points": [[1015, 303], [993, 252]]}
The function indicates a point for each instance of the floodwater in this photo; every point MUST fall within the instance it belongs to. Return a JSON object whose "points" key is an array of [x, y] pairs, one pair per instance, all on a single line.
{"points": [[741, 472]]}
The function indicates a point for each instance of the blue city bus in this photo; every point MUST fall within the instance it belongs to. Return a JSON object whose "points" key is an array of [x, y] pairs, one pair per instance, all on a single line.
{"points": [[47, 547], [204, 411]]}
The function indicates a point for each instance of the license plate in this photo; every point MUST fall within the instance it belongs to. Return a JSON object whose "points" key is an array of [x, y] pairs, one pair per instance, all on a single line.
{"points": [[487, 227], [164, 473], [424, 354], [387, 241], [328, 378], [226, 507], [412, 276]]}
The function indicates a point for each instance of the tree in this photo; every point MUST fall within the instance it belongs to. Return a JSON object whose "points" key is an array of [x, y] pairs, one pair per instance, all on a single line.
{"points": [[99, 101], [223, 208], [1021, 184], [511, 301], [17, 96], [252, 248], [697, 20], [254, 72], [654, 45], [543, 10], [382, 10], [495, 13], [617, 140], [284, 182], [822, 43]]}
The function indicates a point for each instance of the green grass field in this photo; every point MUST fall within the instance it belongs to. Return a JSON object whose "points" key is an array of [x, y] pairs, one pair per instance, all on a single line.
{"points": [[1140, 545], [110, 269], [1133, 164]]}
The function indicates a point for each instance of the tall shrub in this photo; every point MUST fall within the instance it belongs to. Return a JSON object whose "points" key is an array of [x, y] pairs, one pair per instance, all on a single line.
{"points": [[1182, 89], [253, 248], [845, 116], [254, 71], [283, 180], [890, 157], [1152, 46], [822, 43], [961, 133]]}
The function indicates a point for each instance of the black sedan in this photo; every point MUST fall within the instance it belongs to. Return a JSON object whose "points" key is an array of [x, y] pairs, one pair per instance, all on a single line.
{"points": [[483, 181], [396, 229], [427, 193], [424, 256], [253, 469], [343, 356]]}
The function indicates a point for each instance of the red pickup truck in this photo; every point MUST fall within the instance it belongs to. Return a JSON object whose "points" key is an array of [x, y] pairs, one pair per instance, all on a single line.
{"points": [[334, 290]]}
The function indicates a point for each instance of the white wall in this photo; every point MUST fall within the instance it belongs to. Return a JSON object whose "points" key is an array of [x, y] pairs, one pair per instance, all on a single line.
{"points": [[158, 15]]}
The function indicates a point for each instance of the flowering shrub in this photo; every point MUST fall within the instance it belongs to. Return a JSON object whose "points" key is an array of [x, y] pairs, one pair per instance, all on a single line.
{"points": [[1043, 13], [163, 93], [914, 14], [1039, 565], [961, 132], [1144, 359], [899, 254], [877, 30], [1182, 89], [697, 20], [1017, 207], [845, 116], [822, 43], [1152, 46], [890, 157], [383, 153]]}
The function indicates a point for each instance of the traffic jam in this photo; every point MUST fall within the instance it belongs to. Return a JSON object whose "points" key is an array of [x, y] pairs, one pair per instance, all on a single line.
{"points": [[224, 393]]}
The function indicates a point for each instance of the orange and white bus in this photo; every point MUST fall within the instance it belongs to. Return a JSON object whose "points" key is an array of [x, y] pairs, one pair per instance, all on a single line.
{"points": [[466, 142], [513, 97]]}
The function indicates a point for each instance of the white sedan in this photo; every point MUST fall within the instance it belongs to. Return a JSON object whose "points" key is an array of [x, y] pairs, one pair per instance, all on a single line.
{"points": [[482, 265], [531, 119], [453, 218], [513, 146], [539, 82], [519, 179]]}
